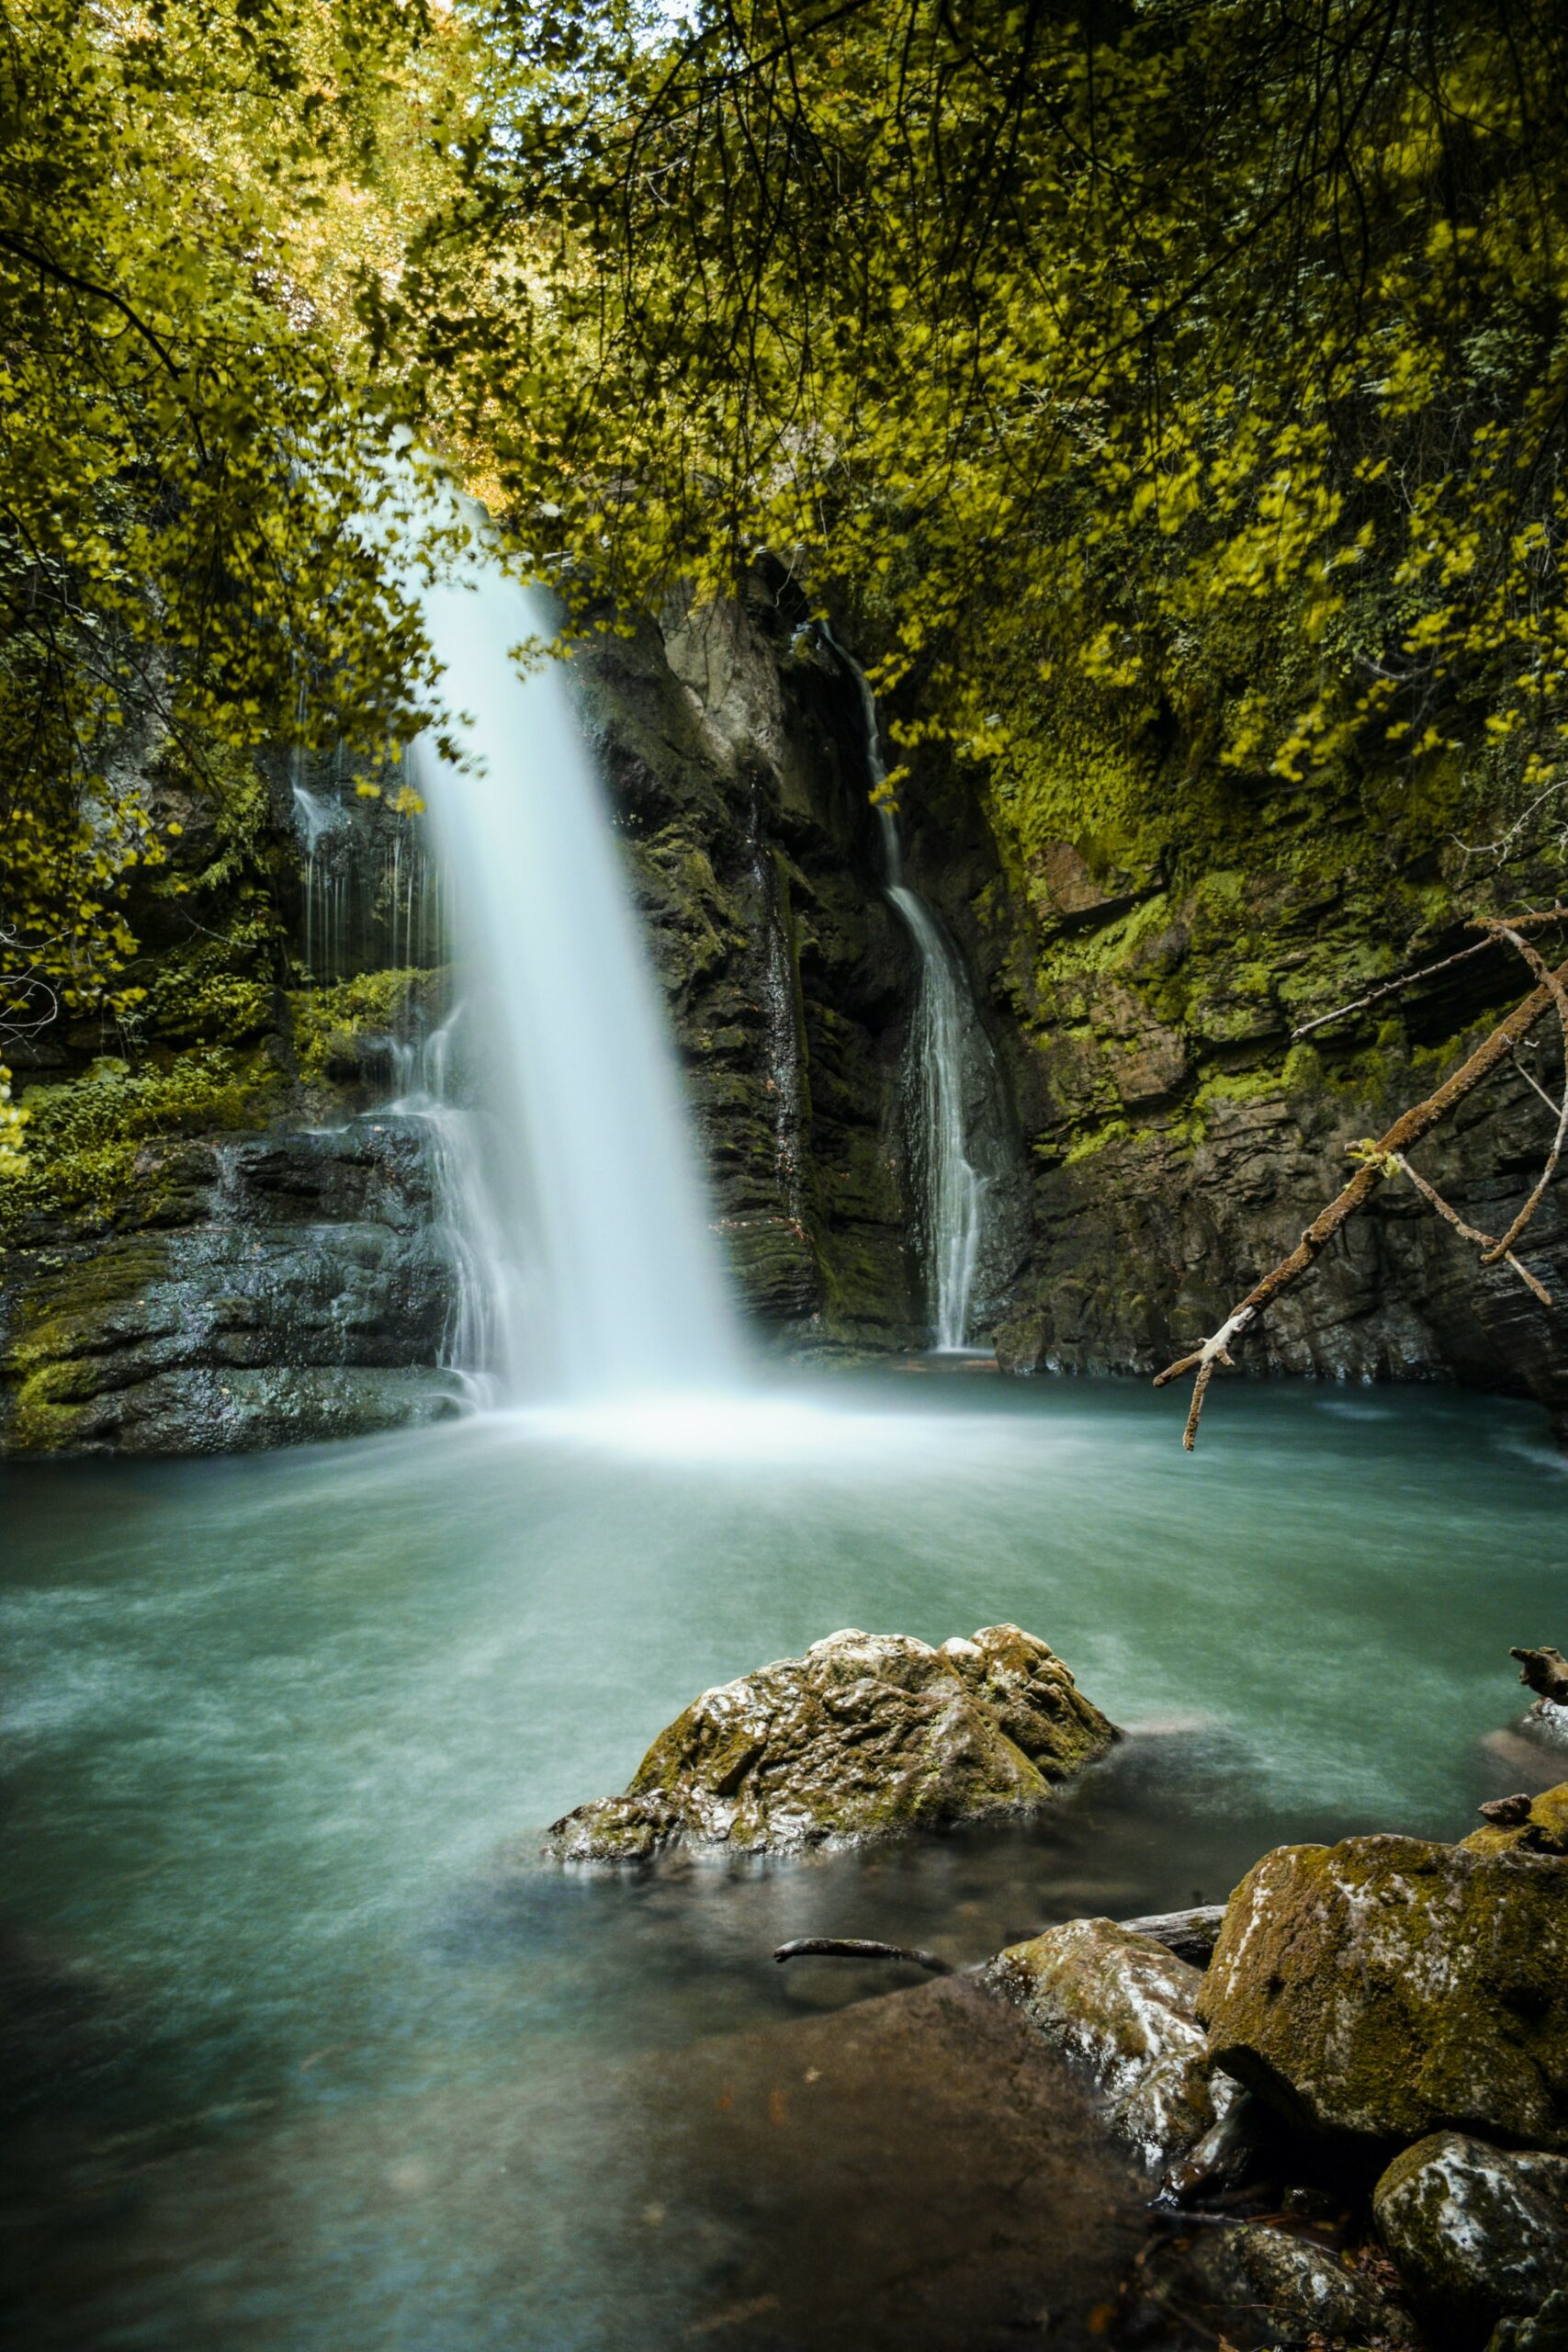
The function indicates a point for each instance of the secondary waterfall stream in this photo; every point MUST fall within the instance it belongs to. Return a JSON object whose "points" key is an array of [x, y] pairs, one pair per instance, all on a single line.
{"points": [[582, 1210], [953, 1190]]}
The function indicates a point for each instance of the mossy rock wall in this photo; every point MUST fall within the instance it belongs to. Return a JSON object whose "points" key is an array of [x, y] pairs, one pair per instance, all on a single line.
{"points": [[1146, 931], [214, 1242], [1151, 929]]}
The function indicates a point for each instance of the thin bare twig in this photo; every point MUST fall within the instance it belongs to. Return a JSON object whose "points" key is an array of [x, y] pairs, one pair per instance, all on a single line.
{"points": [[1551, 982], [1434, 1199], [1530, 1079], [1388, 988], [1424, 972]]}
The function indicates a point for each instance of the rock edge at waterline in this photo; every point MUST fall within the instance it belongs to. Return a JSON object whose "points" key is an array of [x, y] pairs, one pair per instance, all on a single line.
{"points": [[866, 1735]]}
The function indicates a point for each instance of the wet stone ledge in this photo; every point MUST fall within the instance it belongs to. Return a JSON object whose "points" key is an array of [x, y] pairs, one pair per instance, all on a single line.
{"points": [[253, 1293]]}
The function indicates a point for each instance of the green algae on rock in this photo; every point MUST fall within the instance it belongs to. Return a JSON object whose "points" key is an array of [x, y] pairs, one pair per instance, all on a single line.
{"points": [[1478, 2232], [1124, 2007], [1392, 1986], [865, 1735]]}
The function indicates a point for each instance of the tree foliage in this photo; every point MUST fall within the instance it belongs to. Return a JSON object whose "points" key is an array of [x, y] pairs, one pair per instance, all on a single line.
{"points": [[188, 446], [1206, 352], [1202, 357]]}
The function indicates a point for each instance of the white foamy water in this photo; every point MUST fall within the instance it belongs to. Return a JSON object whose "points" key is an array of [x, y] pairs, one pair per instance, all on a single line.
{"points": [[583, 1207], [953, 1191]]}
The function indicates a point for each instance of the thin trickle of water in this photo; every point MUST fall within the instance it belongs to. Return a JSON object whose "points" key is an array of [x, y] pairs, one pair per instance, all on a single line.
{"points": [[578, 1191], [780, 1031], [425, 1070], [951, 1190], [367, 904]]}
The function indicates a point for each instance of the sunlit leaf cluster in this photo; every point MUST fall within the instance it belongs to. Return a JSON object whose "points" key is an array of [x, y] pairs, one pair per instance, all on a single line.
{"points": [[190, 444]]}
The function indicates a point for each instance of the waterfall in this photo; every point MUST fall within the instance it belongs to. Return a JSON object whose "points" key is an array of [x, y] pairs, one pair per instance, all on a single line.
{"points": [[953, 1191], [580, 1198]]}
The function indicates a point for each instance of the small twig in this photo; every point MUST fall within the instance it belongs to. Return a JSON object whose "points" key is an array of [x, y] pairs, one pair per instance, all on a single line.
{"points": [[861, 1948], [1425, 972], [1388, 988], [1551, 981], [1553, 1104], [1484, 1241]]}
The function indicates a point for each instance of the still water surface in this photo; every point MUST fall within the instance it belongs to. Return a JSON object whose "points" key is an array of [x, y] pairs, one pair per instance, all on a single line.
{"points": [[280, 1734]]}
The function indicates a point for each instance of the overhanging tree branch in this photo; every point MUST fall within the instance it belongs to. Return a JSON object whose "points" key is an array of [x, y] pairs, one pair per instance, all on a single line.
{"points": [[1379, 1159]]}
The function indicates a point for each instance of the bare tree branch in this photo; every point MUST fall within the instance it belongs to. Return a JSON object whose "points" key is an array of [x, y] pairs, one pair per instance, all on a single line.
{"points": [[1378, 1160]]}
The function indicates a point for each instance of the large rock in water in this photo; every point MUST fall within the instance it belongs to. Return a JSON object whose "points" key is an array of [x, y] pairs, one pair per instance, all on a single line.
{"points": [[865, 1734], [1395, 1986], [1124, 2007], [1478, 2232]]}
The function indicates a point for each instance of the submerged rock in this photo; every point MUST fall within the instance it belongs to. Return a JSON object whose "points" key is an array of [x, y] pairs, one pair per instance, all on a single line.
{"points": [[1478, 2232], [1124, 2008], [1395, 1986], [865, 1734]]}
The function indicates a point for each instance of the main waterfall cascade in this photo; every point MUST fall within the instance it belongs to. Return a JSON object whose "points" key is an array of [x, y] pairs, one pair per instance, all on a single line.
{"points": [[586, 1267], [953, 1190]]}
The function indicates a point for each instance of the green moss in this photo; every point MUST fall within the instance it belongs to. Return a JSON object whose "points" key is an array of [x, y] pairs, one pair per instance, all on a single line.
{"points": [[1085, 1148], [217, 990], [327, 1020], [1239, 1086], [84, 1134], [1110, 946]]}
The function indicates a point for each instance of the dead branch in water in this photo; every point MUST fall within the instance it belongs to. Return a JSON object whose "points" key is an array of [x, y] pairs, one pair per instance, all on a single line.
{"points": [[1191, 1935], [861, 1948], [1384, 1158]]}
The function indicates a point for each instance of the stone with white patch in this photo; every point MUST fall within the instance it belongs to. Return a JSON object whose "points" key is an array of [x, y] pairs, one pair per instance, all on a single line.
{"points": [[1478, 2232], [1122, 2007]]}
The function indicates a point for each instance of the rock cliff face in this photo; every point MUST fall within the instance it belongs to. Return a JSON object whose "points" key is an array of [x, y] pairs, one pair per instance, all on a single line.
{"points": [[731, 749], [252, 1294], [1153, 932], [225, 1238]]}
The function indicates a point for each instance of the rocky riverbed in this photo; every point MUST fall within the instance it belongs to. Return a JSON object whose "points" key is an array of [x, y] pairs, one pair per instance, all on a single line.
{"points": [[1347, 2092]]}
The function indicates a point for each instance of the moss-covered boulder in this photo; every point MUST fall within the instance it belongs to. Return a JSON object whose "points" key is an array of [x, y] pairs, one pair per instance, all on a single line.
{"points": [[1124, 2007], [1395, 1986], [1478, 2232], [1256, 2284], [864, 1736]]}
